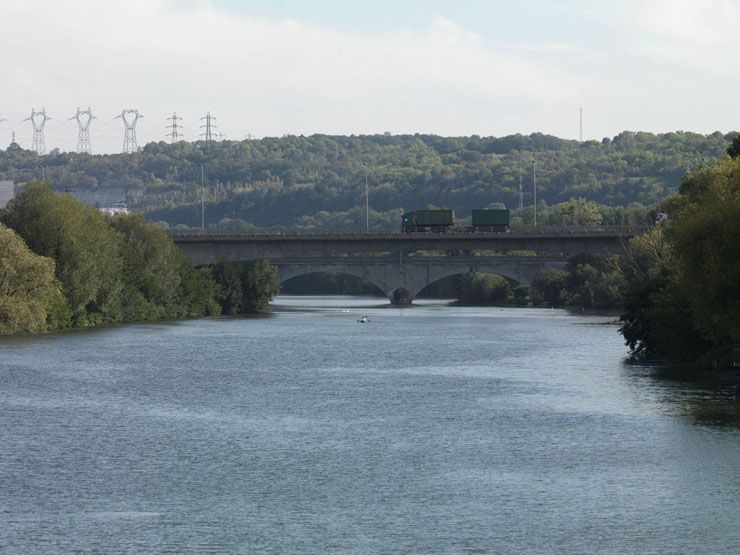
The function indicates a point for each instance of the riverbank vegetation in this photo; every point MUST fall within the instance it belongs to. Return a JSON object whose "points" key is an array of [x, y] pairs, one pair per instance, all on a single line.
{"points": [[65, 265], [682, 296], [244, 287]]}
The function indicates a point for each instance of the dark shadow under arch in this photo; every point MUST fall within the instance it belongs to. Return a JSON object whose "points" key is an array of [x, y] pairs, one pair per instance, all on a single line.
{"points": [[329, 283], [451, 285]]}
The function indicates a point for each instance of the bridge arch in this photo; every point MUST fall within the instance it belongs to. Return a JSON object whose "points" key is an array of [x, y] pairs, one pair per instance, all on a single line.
{"points": [[461, 272], [290, 271], [439, 274], [288, 274]]}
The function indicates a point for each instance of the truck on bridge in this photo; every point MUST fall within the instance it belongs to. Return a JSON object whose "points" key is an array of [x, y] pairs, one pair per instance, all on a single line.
{"points": [[442, 221]]}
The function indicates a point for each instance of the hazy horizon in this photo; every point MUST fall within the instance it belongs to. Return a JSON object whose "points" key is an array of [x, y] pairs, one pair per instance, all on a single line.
{"points": [[450, 69]]}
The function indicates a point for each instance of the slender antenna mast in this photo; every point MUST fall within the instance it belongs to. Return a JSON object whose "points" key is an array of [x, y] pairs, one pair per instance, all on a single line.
{"points": [[2, 119], [580, 123], [38, 120], [174, 126], [129, 117], [83, 126], [209, 126]]}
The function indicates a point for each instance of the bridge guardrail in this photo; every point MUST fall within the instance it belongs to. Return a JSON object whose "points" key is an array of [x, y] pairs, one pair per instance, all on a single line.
{"points": [[394, 260], [376, 233]]}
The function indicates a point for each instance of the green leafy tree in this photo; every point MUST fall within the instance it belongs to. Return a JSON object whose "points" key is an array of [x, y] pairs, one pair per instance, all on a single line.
{"points": [[655, 320], [228, 279], [576, 211], [259, 286], [150, 269], [705, 231], [197, 291], [485, 289], [734, 149], [30, 296], [245, 287], [110, 269], [86, 250], [547, 286]]}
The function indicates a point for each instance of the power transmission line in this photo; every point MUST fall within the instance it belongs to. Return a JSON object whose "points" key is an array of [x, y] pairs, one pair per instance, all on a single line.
{"points": [[129, 118], [38, 120], [83, 126], [174, 126], [209, 126]]}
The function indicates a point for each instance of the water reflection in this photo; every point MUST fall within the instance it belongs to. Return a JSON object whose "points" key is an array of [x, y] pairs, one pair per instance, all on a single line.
{"points": [[707, 397]]}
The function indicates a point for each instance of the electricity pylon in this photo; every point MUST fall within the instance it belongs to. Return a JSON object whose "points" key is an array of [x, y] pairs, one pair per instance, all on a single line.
{"points": [[174, 135], [209, 126], [38, 120], [83, 125], [129, 118]]}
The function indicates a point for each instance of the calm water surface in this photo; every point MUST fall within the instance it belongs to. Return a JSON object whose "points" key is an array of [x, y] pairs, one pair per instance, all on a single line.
{"points": [[433, 429]]}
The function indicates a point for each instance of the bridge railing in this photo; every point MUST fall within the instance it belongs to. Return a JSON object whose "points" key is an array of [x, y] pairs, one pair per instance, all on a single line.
{"points": [[386, 232]]}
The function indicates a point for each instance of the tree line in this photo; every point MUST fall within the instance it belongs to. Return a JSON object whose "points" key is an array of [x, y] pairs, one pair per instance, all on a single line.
{"points": [[682, 296], [319, 180], [65, 265]]}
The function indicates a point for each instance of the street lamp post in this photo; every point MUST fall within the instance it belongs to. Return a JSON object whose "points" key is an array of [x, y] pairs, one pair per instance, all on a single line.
{"points": [[202, 201], [367, 202], [534, 186]]}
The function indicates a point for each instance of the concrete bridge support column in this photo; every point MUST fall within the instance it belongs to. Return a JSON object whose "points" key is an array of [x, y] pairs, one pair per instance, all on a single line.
{"points": [[400, 297]]}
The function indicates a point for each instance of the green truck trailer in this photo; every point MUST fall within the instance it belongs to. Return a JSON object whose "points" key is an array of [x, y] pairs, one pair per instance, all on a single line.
{"points": [[490, 220], [436, 221]]}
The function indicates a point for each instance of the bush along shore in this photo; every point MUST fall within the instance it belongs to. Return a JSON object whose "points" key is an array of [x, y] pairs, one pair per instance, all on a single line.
{"points": [[682, 296], [65, 265]]}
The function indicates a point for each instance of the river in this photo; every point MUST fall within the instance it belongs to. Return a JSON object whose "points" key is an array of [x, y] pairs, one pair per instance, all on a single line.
{"points": [[432, 429]]}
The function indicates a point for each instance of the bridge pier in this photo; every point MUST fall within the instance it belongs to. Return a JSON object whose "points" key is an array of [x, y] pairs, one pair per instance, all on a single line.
{"points": [[400, 297]]}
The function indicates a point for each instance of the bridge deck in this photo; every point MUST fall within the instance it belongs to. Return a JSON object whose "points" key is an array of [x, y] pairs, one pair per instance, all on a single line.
{"points": [[209, 246]]}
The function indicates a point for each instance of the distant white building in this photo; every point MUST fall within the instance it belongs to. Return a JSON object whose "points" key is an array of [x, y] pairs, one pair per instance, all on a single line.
{"points": [[115, 208], [7, 192]]}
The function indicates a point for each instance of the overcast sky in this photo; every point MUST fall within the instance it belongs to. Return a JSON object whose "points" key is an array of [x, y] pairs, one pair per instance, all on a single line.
{"points": [[454, 67]]}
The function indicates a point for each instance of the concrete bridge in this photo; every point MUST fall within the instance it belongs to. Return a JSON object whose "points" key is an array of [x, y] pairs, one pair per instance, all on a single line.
{"points": [[400, 276]]}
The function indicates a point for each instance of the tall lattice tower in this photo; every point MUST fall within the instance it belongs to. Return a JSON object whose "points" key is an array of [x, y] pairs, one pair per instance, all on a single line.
{"points": [[174, 135], [84, 118], [38, 120], [209, 127], [129, 118]]}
